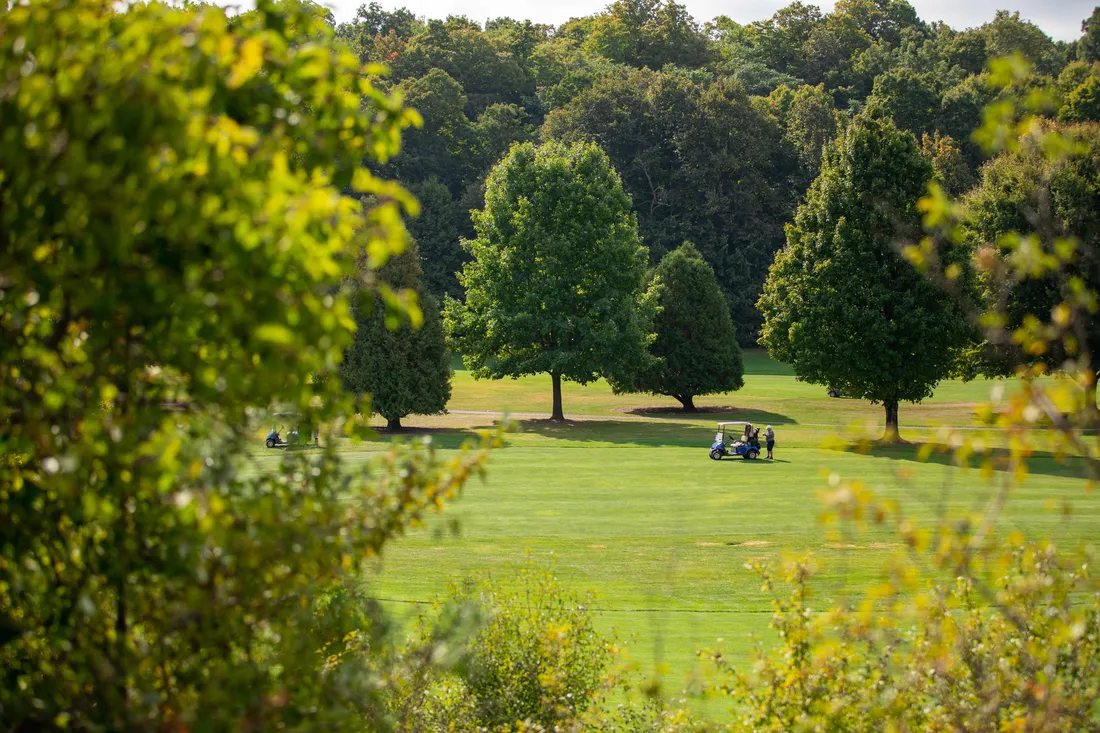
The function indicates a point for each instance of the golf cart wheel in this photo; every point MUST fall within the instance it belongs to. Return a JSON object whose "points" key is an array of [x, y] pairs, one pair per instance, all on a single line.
{"points": [[751, 455], [716, 454], [270, 442]]}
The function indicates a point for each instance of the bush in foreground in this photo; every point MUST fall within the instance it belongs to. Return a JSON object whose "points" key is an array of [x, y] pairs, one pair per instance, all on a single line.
{"points": [[173, 240]]}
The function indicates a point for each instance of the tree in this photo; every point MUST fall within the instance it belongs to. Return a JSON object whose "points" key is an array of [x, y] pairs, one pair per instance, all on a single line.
{"points": [[404, 367], [436, 232], [961, 113], [782, 38], [1027, 192], [1088, 48], [173, 240], [701, 164], [562, 71], [437, 149], [1007, 34], [696, 344], [832, 49], [885, 21], [968, 51], [555, 283], [911, 99], [372, 20], [948, 163], [1082, 104], [840, 304], [648, 34], [808, 120], [459, 47], [494, 131]]}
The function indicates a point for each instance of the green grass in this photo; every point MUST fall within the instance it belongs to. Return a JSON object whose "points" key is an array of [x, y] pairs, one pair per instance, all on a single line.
{"points": [[626, 504], [771, 395]]}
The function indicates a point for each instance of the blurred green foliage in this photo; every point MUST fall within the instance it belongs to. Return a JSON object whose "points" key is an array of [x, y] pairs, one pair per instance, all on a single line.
{"points": [[174, 234]]}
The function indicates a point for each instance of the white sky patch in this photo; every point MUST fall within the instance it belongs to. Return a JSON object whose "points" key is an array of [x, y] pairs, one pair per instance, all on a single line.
{"points": [[1060, 19]]}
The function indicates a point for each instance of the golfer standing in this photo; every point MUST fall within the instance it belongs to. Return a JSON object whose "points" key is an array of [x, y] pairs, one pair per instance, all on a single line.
{"points": [[769, 436]]}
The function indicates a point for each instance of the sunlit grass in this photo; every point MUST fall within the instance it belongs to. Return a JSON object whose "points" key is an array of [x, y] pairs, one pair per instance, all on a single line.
{"points": [[626, 503]]}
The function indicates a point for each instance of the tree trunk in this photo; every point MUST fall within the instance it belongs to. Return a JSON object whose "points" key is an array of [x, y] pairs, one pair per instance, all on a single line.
{"points": [[393, 423], [891, 435], [557, 413], [688, 401], [1090, 397]]}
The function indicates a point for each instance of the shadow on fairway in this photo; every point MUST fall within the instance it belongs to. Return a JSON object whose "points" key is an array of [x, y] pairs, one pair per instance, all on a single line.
{"points": [[723, 412], [753, 462], [625, 432], [1040, 462], [447, 438]]}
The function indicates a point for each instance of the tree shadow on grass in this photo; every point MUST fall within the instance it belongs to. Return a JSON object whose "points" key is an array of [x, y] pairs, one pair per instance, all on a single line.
{"points": [[446, 438], [1039, 462], [715, 412], [752, 461], [622, 432]]}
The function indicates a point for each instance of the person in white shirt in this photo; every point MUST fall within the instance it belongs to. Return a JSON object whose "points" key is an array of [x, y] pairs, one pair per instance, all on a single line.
{"points": [[769, 436]]}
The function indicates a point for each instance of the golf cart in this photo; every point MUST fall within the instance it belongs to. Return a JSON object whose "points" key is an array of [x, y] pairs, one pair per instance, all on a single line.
{"points": [[275, 439], [745, 445]]}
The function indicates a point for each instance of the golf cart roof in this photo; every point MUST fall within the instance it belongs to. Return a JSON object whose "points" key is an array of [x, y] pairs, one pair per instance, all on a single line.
{"points": [[733, 422]]}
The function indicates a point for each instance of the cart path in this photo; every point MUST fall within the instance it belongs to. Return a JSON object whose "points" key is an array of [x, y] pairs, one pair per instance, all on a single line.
{"points": [[689, 418]]}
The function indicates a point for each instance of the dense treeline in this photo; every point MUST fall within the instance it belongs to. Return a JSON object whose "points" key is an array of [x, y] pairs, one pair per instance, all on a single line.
{"points": [[717, 129]]}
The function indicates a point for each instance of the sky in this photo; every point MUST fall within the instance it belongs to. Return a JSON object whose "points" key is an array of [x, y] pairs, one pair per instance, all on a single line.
{"points": [[1061, 19]]}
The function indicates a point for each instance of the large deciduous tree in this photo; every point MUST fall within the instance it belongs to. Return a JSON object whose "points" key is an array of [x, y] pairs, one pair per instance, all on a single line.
{"points": [[840, 303], [555, 284], [910, 98], [696, 344], [648, 33], [437, 149], [404, 367]]}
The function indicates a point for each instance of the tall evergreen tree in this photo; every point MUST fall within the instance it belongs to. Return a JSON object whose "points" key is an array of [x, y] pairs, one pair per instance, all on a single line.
{"points": [[840, 304], [696, 343], [406, 370]]}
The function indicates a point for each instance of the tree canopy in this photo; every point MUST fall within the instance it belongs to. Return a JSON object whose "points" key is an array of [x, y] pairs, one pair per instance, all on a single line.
{"points": [[840, 304], [659, 91], [173, 240], [555, 280], [701, 163], [1025, 185]]}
